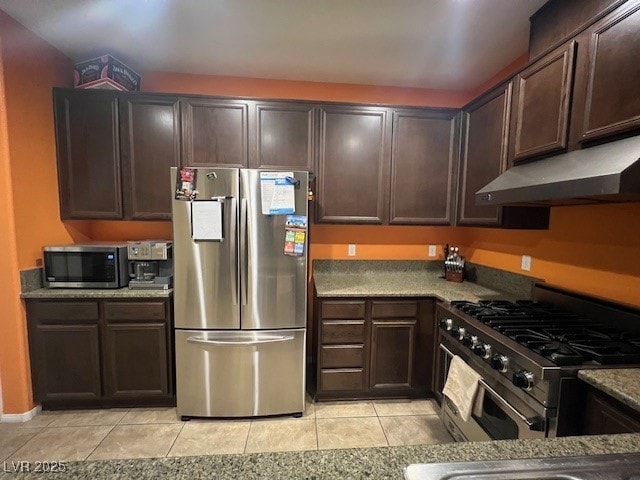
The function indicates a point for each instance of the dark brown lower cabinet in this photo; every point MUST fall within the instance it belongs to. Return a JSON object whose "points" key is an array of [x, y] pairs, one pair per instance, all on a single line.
{"points": [[68, 362], [392, 350], [605, 415], [136, 361], [372, 348], [101, 353]]}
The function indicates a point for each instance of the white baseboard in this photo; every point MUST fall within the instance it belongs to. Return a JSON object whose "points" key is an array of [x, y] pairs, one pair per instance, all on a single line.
{"points": [[20, 417]]}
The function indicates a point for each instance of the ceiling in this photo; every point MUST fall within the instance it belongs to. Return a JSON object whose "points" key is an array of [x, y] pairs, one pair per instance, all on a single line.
{"points": [[441, 44]]}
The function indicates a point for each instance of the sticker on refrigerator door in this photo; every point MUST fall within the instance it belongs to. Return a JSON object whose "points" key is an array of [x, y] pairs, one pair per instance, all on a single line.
{"points": [[295, 235], [186, 184], [277, 193], [206, 220]]}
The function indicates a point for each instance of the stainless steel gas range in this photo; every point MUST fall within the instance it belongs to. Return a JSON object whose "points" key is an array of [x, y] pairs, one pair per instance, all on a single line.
{"points": [[528, 354]]}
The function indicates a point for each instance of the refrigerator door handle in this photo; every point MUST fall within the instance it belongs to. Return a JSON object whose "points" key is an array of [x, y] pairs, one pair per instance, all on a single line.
{"points": [[233, 259], [270, 339], [244, 253]]}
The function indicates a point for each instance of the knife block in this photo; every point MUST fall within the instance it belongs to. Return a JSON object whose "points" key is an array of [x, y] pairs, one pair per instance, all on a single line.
{"points": [[453, 276]]}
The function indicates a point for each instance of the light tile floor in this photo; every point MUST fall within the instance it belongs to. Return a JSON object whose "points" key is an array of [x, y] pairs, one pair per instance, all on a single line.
{"points": [[158, 432]]}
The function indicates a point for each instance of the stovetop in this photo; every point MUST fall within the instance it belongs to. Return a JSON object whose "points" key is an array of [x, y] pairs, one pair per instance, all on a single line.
{"points": [[562, 337]]}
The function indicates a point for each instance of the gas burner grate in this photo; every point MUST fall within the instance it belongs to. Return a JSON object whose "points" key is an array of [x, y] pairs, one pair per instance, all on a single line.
{"points": [[561, 337]]}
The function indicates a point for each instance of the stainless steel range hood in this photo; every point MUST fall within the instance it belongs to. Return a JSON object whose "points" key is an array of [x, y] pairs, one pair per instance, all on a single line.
{"points": [[606, 173]]}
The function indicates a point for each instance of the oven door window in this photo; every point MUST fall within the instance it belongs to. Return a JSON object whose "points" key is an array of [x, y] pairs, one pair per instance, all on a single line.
{"points": [[495, 421], [80, 266]]}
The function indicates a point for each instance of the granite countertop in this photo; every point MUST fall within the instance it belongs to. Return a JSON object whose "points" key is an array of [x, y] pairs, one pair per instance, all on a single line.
{"points": [[401, 279], [375, 463], [621, 383], [95, 293]]}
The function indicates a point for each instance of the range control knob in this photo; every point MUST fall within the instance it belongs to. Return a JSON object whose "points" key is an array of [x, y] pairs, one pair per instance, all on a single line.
{"points": [[482, 350], [523, 379], [457, 332], [461, 332], [446, 323], [469, 340], [499, 362]]}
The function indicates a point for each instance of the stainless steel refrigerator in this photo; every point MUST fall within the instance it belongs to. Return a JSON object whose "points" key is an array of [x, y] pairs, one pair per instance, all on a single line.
{"points": [[240, 302]]}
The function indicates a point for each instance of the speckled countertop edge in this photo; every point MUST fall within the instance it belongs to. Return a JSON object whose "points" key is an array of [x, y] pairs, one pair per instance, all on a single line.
{"points": [[374, 463], [409, 278], [621, 383], [53, 293]]}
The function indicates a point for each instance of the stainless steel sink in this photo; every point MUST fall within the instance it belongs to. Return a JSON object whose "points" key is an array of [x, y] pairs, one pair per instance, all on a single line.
{"points": [[596, 467]]}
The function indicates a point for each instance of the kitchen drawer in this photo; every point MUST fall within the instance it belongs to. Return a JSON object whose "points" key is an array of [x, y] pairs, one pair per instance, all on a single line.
{"points": [[341, 356], [129, 311], [342, 331], [394, 309], [62, 311], [342, 379], [346, 309]]}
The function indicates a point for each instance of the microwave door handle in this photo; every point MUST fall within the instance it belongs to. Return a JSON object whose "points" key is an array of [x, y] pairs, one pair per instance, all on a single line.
{"points": [[533, 423]]}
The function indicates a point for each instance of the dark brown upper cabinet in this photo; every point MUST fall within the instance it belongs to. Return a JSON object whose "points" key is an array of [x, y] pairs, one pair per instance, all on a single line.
{"points": [[283, 136], [88, 154], [484, 153], [558, 20], [354, 156], [215, 132], [607, 98], [150, 145], [423, 162], [540, 106]]}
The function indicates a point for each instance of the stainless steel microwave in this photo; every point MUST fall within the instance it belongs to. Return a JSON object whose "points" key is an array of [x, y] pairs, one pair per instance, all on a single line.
{"points": [[86, 266]]}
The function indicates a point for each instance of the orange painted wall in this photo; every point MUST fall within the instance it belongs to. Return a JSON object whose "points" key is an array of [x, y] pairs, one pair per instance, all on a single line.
{"points": [[589, 249], [29, 204], [289, 89]]}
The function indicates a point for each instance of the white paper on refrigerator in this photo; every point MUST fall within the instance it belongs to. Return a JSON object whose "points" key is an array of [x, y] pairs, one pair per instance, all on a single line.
{"points": [[206, 220], [277, 193]]}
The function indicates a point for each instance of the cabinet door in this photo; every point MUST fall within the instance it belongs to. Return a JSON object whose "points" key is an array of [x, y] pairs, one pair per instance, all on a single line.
{"points": [[88, 153], [392, 351], [423, 160], [283, 136], [603, 417], [66, 362], [136, 363], [214, 132], [608, 102], [137, 351], [353, 165], [484, 153], [150, 146], [540, 107]]}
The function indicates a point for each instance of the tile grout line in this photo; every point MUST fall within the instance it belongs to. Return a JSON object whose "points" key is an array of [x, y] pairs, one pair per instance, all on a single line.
{"points": [[383, 432], [103, 439], [246, 440], [22, 445], [315, 418], [175, 439]]}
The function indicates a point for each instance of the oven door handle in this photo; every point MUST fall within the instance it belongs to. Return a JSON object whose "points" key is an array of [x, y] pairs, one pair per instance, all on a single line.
{"points": [[534, 423]]}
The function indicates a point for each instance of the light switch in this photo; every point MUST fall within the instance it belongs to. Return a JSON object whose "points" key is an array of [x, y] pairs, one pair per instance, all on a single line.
{"points": [[526, 262], [352, 250], [433, 250]]}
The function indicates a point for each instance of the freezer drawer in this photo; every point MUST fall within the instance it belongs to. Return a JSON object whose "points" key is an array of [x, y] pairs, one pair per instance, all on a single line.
{"points": [[239, 373]]}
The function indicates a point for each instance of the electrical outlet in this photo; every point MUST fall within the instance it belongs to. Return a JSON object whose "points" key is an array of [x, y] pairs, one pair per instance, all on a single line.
{"points": [[432, 250], [526, 263], [352, 250]]}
